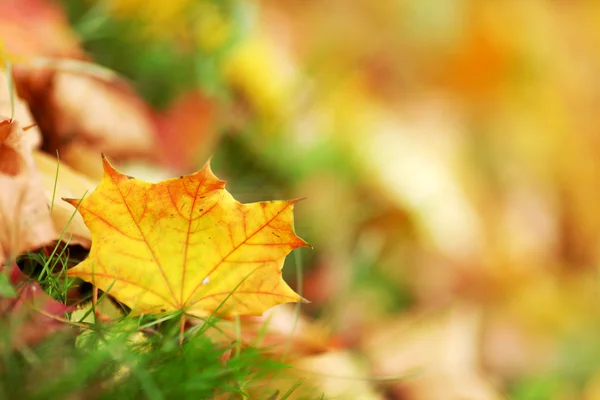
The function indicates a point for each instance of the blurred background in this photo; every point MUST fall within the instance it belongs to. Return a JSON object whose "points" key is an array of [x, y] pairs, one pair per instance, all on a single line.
{"points": [[447, 150]]}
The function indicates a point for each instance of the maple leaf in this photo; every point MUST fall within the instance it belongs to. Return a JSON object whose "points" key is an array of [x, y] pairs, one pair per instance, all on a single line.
{"points": [[186, 244]]}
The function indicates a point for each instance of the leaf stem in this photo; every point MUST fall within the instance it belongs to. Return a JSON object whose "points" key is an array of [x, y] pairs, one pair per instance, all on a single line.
{"points": [[181, 329]]}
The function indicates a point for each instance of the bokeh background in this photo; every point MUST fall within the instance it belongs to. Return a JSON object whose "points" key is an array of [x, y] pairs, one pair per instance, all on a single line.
{"points": [[448, 152]]}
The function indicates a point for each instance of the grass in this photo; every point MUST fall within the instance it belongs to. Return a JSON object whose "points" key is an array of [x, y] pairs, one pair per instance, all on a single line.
{"points": [[118, 362], [128, 358]]}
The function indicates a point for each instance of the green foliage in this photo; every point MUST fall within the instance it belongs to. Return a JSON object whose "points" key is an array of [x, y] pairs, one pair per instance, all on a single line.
{"points": [[130, 358], [108, 365]]}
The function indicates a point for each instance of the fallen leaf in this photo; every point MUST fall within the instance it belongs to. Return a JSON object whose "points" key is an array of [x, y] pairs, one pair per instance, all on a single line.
{"points": [[20, 113], [25, 222], [11, 163], [186, 244], [85, 110]]}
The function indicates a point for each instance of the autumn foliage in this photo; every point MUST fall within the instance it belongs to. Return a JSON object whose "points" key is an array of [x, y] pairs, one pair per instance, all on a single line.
{"points": [[447, 151], [185, 244]]}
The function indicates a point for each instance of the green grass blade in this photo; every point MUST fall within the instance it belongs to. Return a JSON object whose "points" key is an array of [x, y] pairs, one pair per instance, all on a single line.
{"points": [[55, 181]]}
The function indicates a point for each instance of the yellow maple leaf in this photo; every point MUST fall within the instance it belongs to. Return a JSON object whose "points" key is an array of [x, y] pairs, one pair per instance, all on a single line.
{"points": [[186, 244]]}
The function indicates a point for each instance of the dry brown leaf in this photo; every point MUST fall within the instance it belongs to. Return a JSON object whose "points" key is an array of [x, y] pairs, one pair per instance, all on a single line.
{"points": [[82, 109], [25, 222], [33, 138]]}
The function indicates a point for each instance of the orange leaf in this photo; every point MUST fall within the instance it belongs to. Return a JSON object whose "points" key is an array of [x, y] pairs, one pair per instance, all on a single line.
{"points": [[186, 244]]}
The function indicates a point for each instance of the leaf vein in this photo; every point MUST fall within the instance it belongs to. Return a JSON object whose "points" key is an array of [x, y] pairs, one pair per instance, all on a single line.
{"points": [[160, 268], [224, 259]]}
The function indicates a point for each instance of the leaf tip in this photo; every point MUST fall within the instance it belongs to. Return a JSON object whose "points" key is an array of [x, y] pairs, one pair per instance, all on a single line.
{"points": [[298, 200], [302, 243], [108, 168], [207, 173], [73, 202]]}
